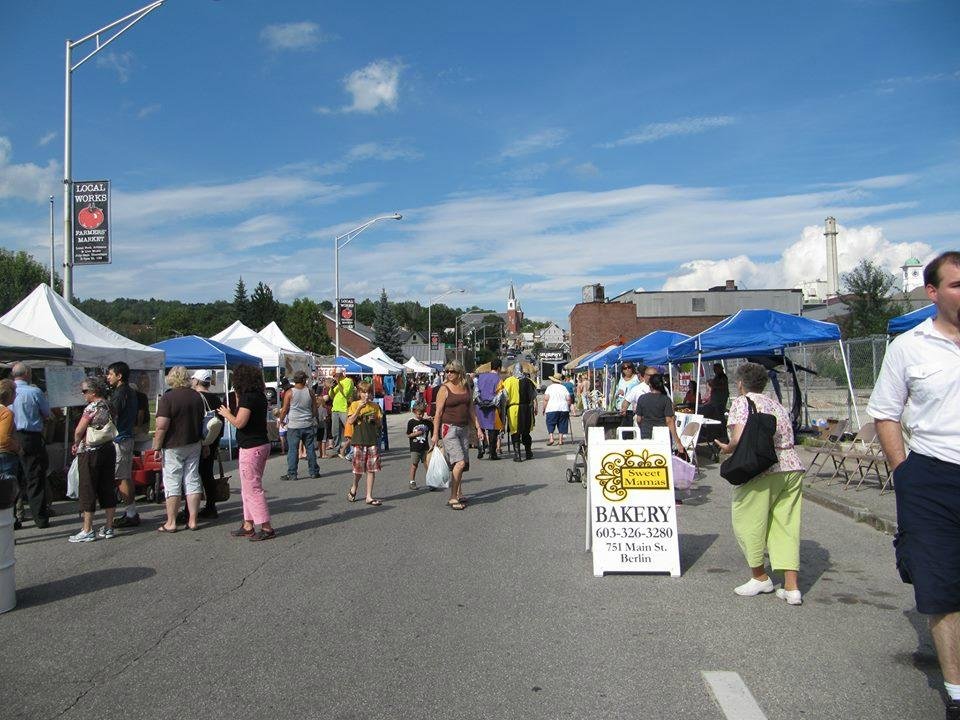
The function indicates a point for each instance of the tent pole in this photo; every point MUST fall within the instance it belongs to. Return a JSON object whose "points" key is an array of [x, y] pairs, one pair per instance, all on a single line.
{"points": [[226, 400], [853, 398], [696, 403]]}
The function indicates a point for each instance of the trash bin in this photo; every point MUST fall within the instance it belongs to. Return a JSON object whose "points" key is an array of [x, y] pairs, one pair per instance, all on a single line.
{"points": [[8, 588]]}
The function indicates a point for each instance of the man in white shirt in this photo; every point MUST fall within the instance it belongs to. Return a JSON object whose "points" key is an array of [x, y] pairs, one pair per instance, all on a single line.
{"points": [[917, 389]]}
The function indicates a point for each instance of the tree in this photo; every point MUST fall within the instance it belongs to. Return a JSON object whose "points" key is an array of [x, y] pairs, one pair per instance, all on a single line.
{"points": [[366, 311], [241, 303], [263, 308], [869, 300], [304, 325], [21, 274], [386, 330]]}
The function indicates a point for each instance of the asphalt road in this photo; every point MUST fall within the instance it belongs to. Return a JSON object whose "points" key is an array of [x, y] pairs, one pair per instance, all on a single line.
{"points": [[413, 610]]}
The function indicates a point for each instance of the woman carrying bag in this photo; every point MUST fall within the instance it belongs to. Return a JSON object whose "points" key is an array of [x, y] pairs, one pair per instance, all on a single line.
{"points": [[96, 460], [451, 422], [766, 509]]}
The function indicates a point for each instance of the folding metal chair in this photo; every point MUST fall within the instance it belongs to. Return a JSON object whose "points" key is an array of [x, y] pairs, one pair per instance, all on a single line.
{"points": [[827, 442]]}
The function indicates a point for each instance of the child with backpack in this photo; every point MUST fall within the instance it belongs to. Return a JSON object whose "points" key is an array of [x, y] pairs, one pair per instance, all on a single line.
{"points": [[419, 430]]}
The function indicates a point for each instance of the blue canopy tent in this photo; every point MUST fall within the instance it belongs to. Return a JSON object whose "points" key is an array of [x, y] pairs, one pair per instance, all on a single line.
{"points": [[759, 332], [651, 349], [351, 367], [607, 356], [910, 320], [193, 351]]}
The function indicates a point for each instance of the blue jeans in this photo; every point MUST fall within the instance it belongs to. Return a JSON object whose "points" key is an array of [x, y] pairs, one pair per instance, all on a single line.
{"points": [[295, 436]]}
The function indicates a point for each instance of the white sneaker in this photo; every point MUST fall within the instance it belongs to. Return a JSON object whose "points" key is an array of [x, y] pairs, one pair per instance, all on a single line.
{"points": [[754, 587], [82, 537], [106, 533], [793, 597]]}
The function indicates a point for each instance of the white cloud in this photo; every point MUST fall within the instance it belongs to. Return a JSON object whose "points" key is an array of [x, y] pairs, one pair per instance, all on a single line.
{"points": [[804, 260], [373, 87], [293, 287], [120, 63], [148, 110], [659, 131], [261, 230], [26, 181], [586, 170], [534, 143], [47, 139], [292, 36]]}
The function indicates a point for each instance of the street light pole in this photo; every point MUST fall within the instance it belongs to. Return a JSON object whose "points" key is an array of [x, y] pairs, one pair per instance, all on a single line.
{"points": [[127, 22], [430, 321], [337, 247]]}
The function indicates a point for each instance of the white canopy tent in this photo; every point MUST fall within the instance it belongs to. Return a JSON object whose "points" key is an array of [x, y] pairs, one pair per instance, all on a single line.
{"points": [[274, 334], [381, 363], [248, 340], [49, 317], [414, 365]]}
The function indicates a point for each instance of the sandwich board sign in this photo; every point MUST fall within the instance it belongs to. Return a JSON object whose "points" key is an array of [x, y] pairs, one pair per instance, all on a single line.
{"points": [[632, 510]]}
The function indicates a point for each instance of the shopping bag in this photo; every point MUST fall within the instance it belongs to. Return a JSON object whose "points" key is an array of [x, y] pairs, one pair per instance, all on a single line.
{"points": [[438, 472], [684, 473], [73, 480]]}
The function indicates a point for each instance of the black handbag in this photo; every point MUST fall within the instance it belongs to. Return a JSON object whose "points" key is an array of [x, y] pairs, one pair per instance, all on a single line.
{"points": [[755, 452]]}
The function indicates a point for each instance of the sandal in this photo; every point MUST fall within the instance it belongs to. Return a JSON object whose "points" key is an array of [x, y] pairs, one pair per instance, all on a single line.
{"points": [[351, 496], [456, 505], [374, 503], [243, 532], [549, 442], [264, 535], [164, 529]]}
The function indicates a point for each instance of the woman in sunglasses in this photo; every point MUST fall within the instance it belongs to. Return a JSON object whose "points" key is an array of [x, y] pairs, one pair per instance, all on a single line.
{"points": [[96, 460], [451, 421]]}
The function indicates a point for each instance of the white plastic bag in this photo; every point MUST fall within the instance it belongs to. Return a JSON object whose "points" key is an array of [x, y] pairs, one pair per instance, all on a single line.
{"points": [[684, 473], [438, 472], [73, 480]]}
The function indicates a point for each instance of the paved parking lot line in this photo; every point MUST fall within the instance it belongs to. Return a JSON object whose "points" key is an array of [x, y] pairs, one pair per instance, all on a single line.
{"points": [[733, 696]]}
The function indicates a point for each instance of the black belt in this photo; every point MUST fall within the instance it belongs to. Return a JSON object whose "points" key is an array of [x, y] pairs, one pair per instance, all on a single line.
{"points": [[30, 432]]}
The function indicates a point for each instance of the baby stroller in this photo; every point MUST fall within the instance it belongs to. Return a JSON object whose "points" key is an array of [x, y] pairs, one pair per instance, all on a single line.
{"points": [[595, 417]]}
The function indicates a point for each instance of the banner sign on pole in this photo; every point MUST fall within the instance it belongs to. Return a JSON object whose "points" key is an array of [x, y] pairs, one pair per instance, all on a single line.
{"points": [[459, 344], [91, 222], [434, 340], [346, 313], [632, 523]]}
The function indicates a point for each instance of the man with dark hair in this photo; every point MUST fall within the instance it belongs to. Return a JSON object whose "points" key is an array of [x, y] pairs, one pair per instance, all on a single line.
{"points": [[30, 409], [918, 387], [124, 406]]}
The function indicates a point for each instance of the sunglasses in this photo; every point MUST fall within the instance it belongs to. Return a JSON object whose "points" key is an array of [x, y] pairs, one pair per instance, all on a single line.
{"points": [[450, 371], [85, 390]]}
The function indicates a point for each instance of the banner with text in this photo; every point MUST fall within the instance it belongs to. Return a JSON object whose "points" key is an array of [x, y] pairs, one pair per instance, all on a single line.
{"points": [[346, 312], [434, 340], [632, 522], [91, 222]]}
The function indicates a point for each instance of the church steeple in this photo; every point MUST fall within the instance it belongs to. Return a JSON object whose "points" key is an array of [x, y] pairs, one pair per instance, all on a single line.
{"points": [[514, 313]]}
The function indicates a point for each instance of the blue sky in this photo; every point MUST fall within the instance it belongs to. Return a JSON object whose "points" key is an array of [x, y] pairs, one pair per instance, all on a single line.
{"points": [[638, 145]]}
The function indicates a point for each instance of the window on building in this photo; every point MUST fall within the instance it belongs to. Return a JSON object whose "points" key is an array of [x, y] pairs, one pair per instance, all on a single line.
{"points": [[699, 304]]}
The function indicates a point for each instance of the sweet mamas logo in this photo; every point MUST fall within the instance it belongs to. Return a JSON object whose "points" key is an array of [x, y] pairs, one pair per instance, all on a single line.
{"points": [[620, 472]]}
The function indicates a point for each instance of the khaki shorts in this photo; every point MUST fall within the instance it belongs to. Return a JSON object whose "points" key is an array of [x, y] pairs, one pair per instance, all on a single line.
{"points": [[124, 459], [455, 443]]}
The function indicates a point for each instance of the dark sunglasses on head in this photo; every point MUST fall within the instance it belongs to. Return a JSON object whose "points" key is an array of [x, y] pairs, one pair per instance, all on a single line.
{"points": [[85, 390]]}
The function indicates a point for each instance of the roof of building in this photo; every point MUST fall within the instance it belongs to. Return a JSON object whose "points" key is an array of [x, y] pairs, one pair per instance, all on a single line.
{"points": [[912, 262]]}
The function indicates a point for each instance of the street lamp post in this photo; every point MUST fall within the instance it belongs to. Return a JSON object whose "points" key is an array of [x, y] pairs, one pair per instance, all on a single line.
{"points": [[337, 247], [430, 320], [126, 22]]}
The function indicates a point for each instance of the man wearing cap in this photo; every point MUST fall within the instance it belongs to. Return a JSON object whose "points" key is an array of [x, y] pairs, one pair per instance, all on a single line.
{"points": [[341, 395], [200, 381], [556, 409], [124, 406]]}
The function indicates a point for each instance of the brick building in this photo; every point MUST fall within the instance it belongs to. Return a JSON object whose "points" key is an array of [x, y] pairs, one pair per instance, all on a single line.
{"points": [[634, 313], [353, 343]]}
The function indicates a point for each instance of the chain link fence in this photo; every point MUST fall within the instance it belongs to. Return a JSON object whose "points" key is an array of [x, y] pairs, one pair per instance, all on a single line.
{"points": [[826, 392]]}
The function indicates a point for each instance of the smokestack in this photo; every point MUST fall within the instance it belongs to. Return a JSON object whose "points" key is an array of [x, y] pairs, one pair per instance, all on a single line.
{"points": [[833, 276]]}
